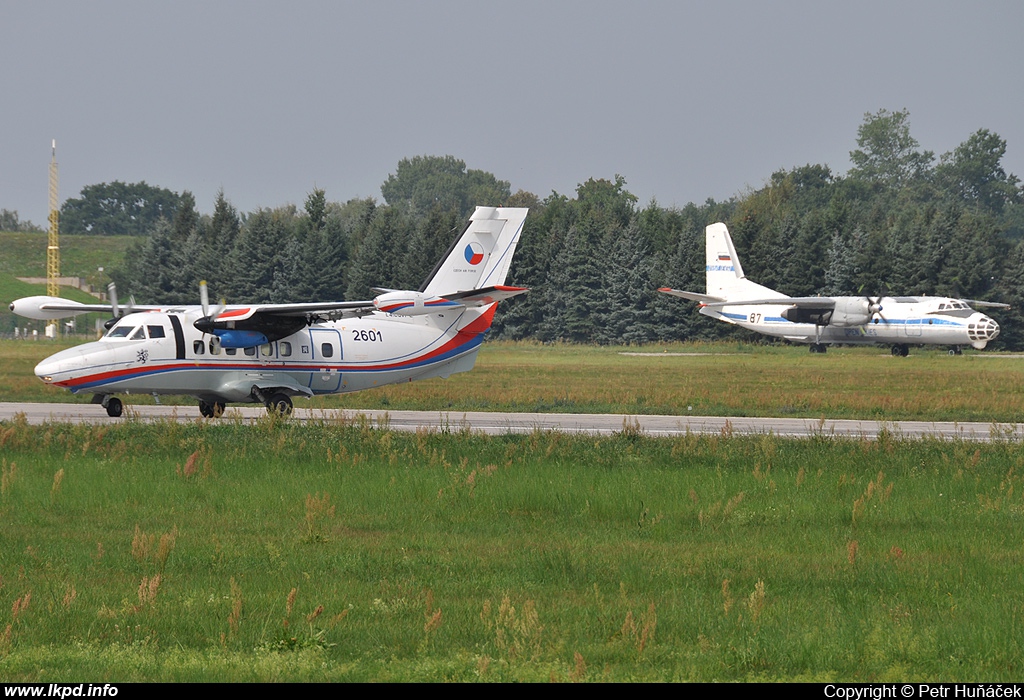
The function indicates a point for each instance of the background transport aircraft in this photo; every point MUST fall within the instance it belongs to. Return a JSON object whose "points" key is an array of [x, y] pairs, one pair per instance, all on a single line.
{"points": [[269, 353], [899, 321]]}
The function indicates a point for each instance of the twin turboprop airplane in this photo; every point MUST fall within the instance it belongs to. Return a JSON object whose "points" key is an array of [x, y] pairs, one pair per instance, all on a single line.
{"points": [[269, 353], [899, 321]]}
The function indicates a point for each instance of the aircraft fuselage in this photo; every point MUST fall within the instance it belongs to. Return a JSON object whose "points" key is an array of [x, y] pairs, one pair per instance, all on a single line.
{"points": [[163, 353], [923, 321]]}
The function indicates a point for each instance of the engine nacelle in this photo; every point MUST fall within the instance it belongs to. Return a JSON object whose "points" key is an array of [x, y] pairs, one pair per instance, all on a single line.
{"points": [[240, 339], [851, 311], [848, 311], [30, 307], [402, 303]]}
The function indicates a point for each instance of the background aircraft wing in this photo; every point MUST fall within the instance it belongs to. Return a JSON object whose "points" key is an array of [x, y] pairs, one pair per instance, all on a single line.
{"points": [[985, 304], [800, 302], [692, 296]]}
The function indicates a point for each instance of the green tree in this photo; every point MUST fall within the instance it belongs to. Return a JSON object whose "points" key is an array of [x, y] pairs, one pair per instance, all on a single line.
{"points": [[887, 154], [118, 209], [9, 222], [423, 182], [256, 257], [379, 261], [973, 173]]}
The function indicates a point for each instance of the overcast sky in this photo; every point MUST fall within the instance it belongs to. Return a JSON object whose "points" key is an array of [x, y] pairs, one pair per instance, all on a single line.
{"points": [[686, 100]]}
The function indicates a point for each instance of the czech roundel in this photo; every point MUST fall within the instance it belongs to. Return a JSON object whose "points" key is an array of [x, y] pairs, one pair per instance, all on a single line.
{"points": [[474, 253]]}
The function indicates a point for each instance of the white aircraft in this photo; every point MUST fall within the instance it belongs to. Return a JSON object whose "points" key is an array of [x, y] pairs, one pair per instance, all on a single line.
{"points": [[899, 321], [269, 353]]}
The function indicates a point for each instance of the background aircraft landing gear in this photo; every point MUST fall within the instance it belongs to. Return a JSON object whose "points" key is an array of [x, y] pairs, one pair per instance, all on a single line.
{"points": [[279, 405], [956, 350], [211, 410], [113, 406], [819, 347], [900, 350]]}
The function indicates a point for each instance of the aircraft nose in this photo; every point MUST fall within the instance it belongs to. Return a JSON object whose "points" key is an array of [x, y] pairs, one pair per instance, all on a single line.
{"points": [[51, 369], [981, 329]]}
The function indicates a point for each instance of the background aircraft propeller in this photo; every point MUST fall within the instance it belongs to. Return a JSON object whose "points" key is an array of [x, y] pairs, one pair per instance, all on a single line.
{"points": [[875, 309]]}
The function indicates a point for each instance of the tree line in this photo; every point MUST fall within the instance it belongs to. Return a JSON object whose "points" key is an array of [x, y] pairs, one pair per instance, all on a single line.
{"points": [[900, 221]]}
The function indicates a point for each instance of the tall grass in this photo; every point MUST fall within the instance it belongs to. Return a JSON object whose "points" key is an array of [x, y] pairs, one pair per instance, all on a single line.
{"points": [[339, 552]]}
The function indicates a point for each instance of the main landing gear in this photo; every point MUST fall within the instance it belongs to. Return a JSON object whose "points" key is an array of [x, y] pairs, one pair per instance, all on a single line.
{"points": [[278, 403], [211, 410], [113, 406], [900, 350], [819, 347]]}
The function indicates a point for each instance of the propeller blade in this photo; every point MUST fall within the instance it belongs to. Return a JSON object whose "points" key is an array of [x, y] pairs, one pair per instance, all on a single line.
{"points": [[875, 309], [112, 295], [204, 298]]}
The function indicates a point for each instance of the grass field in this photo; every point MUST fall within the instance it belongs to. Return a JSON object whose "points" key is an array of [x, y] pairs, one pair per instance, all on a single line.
{"points": [[322, 552], [729, 380]]}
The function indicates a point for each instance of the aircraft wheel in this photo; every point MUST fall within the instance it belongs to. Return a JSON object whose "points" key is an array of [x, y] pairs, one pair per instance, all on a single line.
{"points": [[900, 350], [955, 350], [211, 410], [819, 347], [114, 407], [280, 405]]}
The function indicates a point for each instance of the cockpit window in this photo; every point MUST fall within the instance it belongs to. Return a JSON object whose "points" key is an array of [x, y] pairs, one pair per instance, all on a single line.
{"points": [[139, 334], [120, 331], [156, 331]]}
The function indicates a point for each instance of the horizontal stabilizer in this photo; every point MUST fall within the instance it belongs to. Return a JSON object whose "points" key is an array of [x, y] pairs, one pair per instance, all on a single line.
{"points": [[486, 295]]}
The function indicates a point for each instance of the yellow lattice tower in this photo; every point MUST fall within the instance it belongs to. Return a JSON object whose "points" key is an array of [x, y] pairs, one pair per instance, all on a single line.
{"points": [[53, 249]]}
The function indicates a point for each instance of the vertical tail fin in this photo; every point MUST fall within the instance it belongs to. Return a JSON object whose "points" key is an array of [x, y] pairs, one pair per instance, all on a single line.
{"points": [[724, 273], [481, 256]]}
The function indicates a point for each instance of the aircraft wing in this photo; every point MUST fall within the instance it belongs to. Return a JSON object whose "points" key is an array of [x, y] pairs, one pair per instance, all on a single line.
{"points": [[45, 308], [984, 304], [799, 302], [322, 309], [692, 296]]}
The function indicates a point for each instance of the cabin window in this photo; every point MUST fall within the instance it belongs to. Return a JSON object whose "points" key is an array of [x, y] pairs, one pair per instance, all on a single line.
{"points": [[250, 352], [267, 350], [139, 334], [285, 348], [327, 350], [156, 331], [198, 348], [231, 351], [214, 345]]}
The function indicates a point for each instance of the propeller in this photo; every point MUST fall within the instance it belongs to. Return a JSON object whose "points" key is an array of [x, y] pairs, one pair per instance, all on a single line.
{"points": [[204, 324], [115, 308], [204, 300], [875, 309]]}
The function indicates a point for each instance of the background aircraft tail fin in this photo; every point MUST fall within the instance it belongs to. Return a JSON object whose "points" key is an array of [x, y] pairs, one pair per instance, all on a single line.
{"points": [[724, 273], [481, 255]]}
